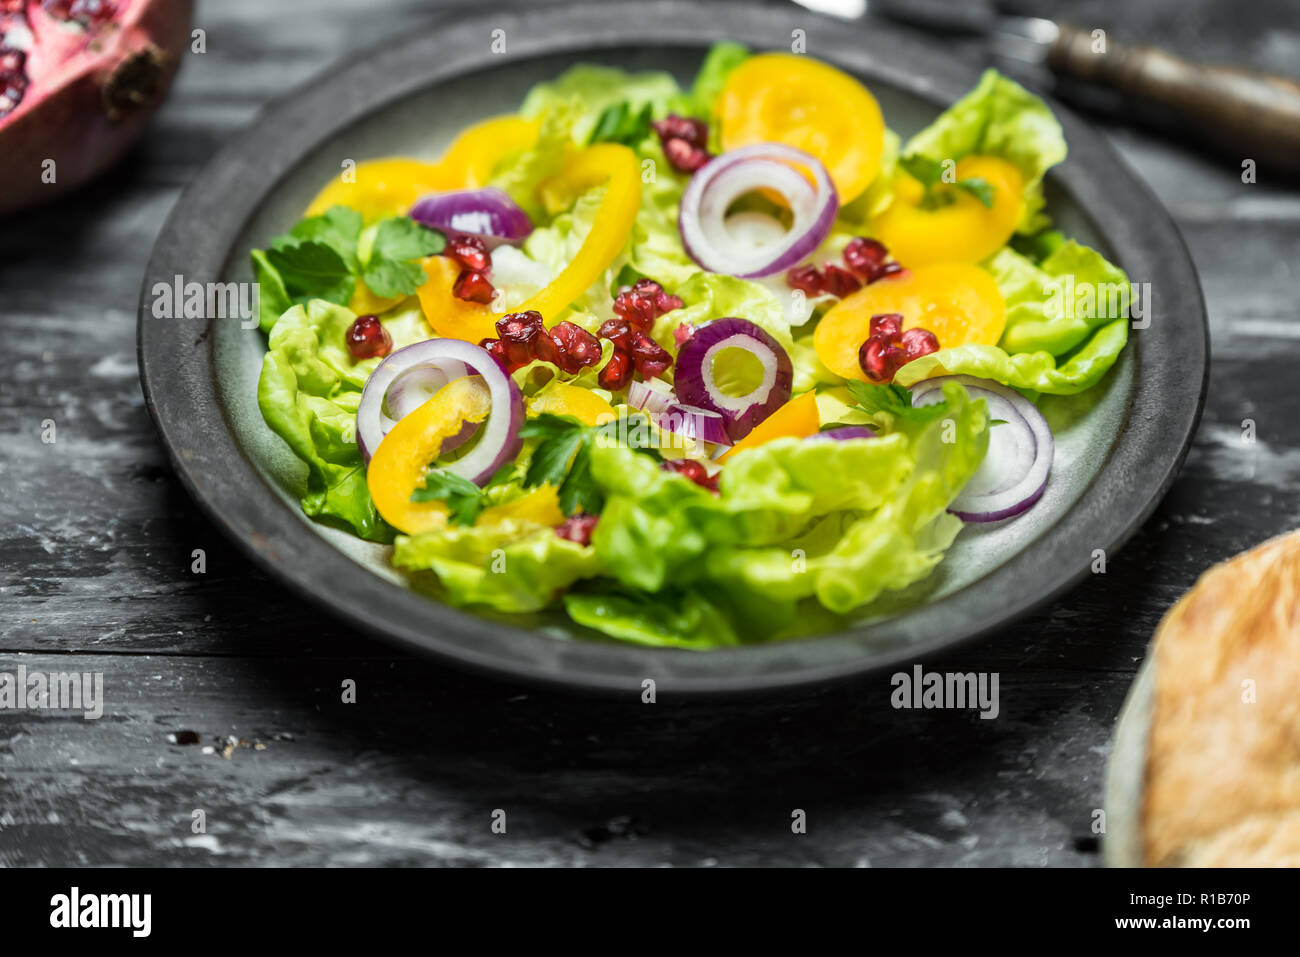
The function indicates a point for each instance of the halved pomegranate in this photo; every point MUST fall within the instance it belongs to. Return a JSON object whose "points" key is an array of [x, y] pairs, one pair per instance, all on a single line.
{"points": [[78, 81]]}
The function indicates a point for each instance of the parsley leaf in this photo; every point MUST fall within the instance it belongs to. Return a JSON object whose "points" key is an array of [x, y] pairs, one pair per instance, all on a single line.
{"points": [[563, 459], [894, 400], [978, 187], [619, 124], [312, 270], [389, 271], [338, 227], [463, 497], [930, 174]]}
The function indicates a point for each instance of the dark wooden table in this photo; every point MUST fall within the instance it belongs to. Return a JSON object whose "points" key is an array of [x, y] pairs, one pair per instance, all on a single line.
{"points": [[96, 538]]}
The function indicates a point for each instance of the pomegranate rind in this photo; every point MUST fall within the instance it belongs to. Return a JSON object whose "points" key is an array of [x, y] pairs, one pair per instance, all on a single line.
{"points": [[89, 98]]}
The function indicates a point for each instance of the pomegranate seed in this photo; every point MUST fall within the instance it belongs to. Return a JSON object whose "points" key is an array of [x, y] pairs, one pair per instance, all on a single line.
{"points": [[886, 325], [919, 342], [682, 334], [663, 302], [576, 347], [470, 251], [864, 257], [617, 331], [473, 286], [636, 308], [12, 62], [578, 528], [367, 338], [520, 333], [693, 471], [649, 358], [808, 279], [497, 350], [889, 269], [685, 157], [880, 359], [674, 127], [617, 372], [12, 6], [840, 282]]}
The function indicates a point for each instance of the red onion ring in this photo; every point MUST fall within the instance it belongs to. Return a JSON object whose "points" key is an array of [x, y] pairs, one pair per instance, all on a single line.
{"points": [[696, 385], [487, 213], [653, 396], [844, 433], [1014, 472], [693, 423], [724, 179], [418, 368]]}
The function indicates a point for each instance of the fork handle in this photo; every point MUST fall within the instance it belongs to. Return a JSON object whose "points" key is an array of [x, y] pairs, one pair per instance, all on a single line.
{"points": [[1251, 115]]}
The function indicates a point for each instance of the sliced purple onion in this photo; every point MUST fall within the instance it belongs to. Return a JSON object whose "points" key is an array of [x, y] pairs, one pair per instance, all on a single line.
{"points": [[695, 381], [488, 213], [421, 370], [747, 252], [692, 423], [844, 433], [652, 396], [1014, 472]]}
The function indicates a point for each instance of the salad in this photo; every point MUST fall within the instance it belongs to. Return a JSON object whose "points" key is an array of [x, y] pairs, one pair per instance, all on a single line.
{"points": [[697, 367]]}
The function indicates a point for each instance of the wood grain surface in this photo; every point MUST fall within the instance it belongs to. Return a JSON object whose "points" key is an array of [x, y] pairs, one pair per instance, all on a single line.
{"points": [[96, 538]]}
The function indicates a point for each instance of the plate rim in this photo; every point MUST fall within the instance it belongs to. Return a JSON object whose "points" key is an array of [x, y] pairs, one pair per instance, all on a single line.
{"points": [[180, 389]]}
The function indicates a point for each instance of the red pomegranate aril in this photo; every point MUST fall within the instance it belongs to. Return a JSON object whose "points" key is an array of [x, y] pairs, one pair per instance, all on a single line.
{"points": [[617, 372], [637, 309], [663, 302], [839, 282], [473, 286], [918, 342], [617, 331], [470, 251], [497, 350], [674, 127], [650, 359], [886, 324], [12, 6], [880, 359], [576, 346], [864, 257], [682, 334], [889, 269], [367, 338], [520, 333], [11, 62], [578, 528], [690, 469], [807, 279], [684, 157]]}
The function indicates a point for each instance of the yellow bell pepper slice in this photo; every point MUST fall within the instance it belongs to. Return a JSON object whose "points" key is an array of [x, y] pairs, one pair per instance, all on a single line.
{"points": [[784, 98], [398, 465], [961, 230], [448, 316], [959, 302], [798, 418], [560, 398], [541, 505], [389, 187], [607, 163]]}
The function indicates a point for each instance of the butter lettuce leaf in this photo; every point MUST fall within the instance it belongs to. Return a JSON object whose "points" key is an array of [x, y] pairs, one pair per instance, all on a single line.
{"points": [[512, 566]]}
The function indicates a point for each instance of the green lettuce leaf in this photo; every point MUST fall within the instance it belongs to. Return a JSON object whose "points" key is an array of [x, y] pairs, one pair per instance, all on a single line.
{"points": [[512, 566], [675, 618], [309, 390], [999, 117], [590, 90], [1055, 305], [838, 522], [1028, 371]]}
